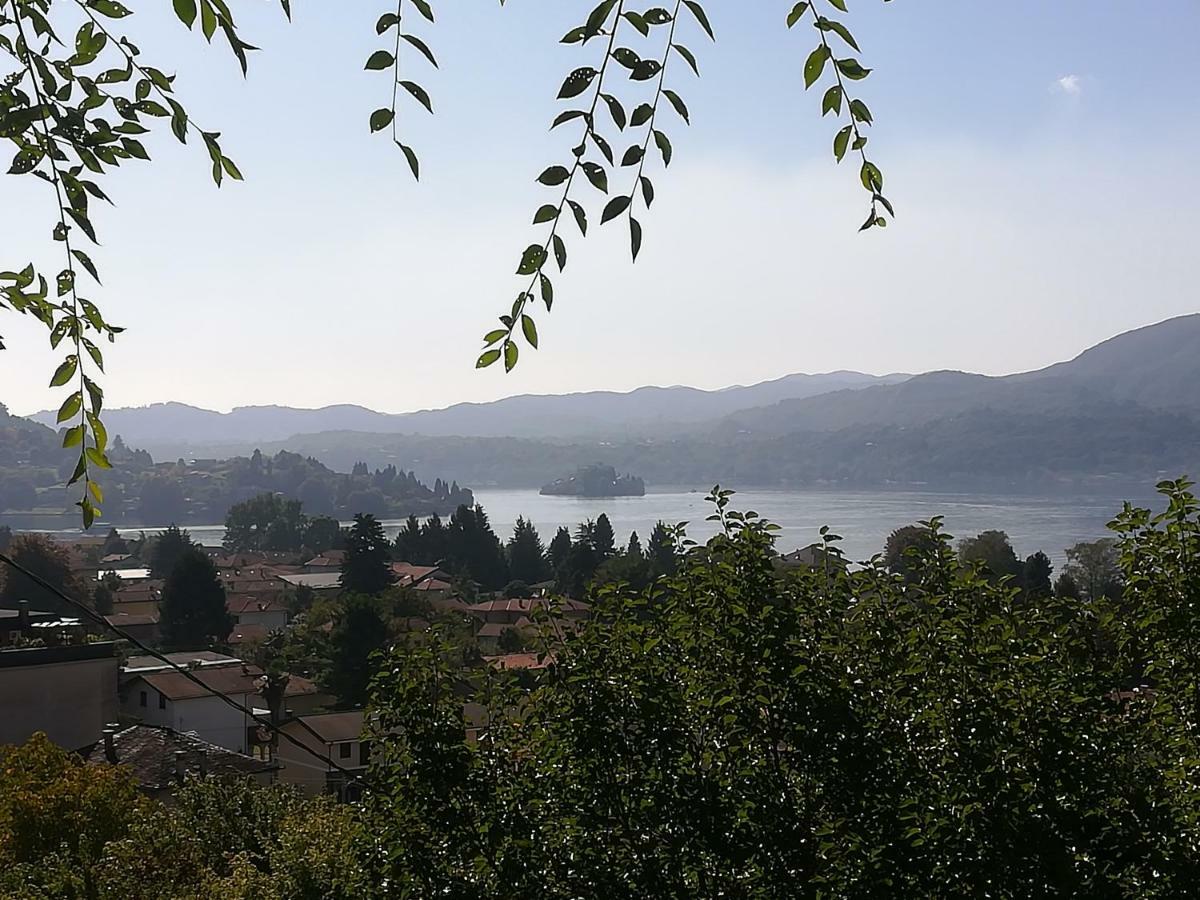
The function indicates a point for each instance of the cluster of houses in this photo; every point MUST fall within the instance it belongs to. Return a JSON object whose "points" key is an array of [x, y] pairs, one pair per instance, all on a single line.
{"points": [[73, 680]]}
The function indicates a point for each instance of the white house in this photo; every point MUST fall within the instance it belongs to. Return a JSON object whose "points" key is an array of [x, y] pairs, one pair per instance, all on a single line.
{"points": [[170, 700]]}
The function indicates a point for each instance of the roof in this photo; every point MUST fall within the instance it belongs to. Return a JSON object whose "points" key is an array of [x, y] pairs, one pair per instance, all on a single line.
{"points": [[129, 620], [814, 556], [495, 629], [318, 581], [244, 603], [149, 752], [250, 632], [433, 584], [241, 679], [334, 728], [407, 573], [328, 558], [197, 658], [147, 586], [140, 575], [518, 661]]}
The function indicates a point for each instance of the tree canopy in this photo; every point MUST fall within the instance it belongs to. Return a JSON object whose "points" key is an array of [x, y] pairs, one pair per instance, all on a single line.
{"points": [[193, 608]]}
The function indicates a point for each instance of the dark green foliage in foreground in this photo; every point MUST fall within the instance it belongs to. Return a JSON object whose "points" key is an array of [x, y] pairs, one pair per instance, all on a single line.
{"points": [[728, 732], [367, 563], [193, 603]]}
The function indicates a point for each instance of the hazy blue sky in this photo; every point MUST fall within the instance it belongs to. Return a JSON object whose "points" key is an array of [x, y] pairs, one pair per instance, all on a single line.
{"points": [[1041, 156]]}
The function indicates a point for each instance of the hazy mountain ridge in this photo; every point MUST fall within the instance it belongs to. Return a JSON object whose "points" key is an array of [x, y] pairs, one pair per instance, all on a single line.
{"points": [[174, 429]]}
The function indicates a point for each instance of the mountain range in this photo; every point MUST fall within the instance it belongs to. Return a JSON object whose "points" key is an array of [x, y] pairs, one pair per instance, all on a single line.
{"points": [[1125, 410]]}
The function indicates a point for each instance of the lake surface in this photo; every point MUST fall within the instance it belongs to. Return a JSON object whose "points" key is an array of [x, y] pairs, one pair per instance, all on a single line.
{"points": [[863, 518]]}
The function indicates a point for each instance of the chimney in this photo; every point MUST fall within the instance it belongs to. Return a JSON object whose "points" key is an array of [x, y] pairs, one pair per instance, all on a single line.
{"points": [[22, 615], [110, 745], [180, 767]]}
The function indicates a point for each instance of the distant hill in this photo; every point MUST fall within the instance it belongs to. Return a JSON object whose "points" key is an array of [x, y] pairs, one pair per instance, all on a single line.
{"points": [[1156, 367], [176, 429]]}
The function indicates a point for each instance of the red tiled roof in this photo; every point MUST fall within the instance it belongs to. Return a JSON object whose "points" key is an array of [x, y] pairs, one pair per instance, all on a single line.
{"points": [[126, 620], [244, 633], [334, 728], [406, 573], [433, 584], [226, 680], [518, 661], [526, 605], [237, 604], [332, 558]]}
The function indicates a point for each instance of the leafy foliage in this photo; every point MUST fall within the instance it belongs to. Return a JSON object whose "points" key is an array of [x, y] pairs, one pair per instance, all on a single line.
{"points": [[367, 559], [193, 603]]}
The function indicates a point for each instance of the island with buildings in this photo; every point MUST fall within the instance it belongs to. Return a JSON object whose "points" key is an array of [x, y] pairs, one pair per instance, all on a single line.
{"points": [[596, 481]]}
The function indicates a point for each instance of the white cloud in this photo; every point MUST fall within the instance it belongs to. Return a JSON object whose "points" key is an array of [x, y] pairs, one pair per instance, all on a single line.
{"points": [[1071, 85]]}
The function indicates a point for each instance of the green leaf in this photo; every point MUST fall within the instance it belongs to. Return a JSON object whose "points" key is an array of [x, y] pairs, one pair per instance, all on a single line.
{"points": [[70, 406], [185, 11], [614, 208], [560, 252], [64, 372], [386, 21], [635, 237], [109, 8], [616, 110], [422, 46], [97, 458], [815, 65], [698, 11], [797, 11], [840, 4], [641, 115], [380, 59], [647, 191], [840, 142], [487, 358], [532, 259], [72, 437], [677, 102], [545, 213], [832, 101], [839, 29], [859, 110], [688, 56], [871, 177], [580, 216], [529, 328], [664, 147], [577, 82], [852, 70], [553, 176], [86, 262], [411, 156], [381, 119], [510, 355], [419, 92], [596, 175], [99, 432], [632, 156], [424, 8], [492, 336], [547, 290]]}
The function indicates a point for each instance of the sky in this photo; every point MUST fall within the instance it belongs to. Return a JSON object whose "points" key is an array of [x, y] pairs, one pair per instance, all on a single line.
{"points": [[1040, 157]]}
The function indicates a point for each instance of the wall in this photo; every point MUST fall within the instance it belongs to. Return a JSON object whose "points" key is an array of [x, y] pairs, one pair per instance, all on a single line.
{"points": [[70, 693]]}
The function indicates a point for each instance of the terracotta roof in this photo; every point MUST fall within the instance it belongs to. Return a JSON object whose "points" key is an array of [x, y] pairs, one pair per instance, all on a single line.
{"points": [[336, 727], [433, 584], [527, 605], [145, 586], [495, 629], [227, 680], [318, 581], [250, 632], [328, 558], [243, 603], [407, 573], [150, 753]]}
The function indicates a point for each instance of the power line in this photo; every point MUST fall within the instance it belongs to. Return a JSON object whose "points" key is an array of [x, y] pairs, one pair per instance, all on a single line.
{"points": [[186, 673]]}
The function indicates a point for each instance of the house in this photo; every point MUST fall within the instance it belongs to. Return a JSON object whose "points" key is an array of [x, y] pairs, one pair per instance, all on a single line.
{"points": [[408, 575], [337, 736], [138, 598], [170, 699], [161, 759], [247, 634], [68, 690], [520, 661], [329, 561], [248, 609], [490, 634], [814, 556], [140, 626], [189, 659]]}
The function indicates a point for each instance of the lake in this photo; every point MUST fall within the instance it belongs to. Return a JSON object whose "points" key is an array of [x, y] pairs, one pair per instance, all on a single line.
{"points": [[863, 518]]}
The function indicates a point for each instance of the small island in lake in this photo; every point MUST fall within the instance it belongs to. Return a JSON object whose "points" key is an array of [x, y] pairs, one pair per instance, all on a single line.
{"points": [[596, 481]]}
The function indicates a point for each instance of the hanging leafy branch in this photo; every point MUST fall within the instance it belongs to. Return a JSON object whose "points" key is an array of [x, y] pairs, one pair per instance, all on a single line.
{"points": [[502, 343], [849, 137], [385, 60]]}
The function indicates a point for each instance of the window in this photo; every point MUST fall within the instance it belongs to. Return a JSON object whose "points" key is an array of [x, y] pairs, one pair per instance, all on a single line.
{"points": [[162, 701], [344, 750], [142, 699]]}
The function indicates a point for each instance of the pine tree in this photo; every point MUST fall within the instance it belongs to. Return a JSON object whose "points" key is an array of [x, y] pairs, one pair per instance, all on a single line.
{"points": [[434, 542], [367, 564], [526, 554], [474, 549], [634, 550], [193, 603], [661, 551], [560, 548], [167, 549], [603, 539], [409, 542]]}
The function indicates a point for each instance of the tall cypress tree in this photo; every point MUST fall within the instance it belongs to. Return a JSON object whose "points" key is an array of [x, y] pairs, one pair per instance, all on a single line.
{"points": [[560, 548], [367, 564], [603, 539], [193, 603]]}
